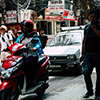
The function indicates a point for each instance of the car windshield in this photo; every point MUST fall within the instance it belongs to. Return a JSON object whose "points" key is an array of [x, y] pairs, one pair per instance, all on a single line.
{"points": [[67, 38]]}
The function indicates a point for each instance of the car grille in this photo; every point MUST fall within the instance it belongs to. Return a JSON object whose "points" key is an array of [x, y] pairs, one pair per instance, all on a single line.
{"points": [[61, 58]]}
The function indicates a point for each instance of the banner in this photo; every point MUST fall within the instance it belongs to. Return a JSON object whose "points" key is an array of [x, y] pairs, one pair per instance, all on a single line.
{"points": [[28, 14], [11, 16], [52, 17], [56, 7], [69, 15]]}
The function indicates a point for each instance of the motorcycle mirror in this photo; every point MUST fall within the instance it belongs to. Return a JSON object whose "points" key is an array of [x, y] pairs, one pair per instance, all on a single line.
{"points": [[34, 40]]}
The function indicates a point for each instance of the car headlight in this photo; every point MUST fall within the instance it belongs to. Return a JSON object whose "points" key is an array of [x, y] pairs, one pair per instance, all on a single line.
{"points": [[71, 57]]}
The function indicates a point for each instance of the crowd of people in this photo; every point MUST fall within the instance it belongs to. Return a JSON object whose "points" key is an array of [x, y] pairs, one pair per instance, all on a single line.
{"points": [[10, 38]]}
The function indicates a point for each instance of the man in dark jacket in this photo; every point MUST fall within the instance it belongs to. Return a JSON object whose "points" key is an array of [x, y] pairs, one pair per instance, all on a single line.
{"points": [[91, 53], [43, 38]]}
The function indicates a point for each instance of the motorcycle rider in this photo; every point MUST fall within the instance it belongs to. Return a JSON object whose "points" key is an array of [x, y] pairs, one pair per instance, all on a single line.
{"points": [[32, 56]]}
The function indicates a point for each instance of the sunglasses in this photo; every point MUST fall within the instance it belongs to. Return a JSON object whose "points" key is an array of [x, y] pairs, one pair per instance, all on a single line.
{"points": [[2, 29]]}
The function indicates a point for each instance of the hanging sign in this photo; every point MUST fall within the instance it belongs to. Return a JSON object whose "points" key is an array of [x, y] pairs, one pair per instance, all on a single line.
{"points": [[56, 7], [68, 15], [11, 16]]}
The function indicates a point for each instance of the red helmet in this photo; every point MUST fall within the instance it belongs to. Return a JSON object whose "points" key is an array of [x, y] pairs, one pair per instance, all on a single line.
{"points": [[27, 26]]}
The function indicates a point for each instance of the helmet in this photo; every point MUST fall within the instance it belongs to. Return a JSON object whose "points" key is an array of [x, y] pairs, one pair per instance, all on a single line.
{"points": [[27, 26]]}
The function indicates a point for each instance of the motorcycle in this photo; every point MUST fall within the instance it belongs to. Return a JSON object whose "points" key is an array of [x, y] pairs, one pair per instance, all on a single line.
{"points": [[13, 80]]}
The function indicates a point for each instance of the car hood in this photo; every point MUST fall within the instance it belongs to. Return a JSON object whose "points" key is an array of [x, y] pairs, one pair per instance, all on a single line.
{"points": [[61, 50]]}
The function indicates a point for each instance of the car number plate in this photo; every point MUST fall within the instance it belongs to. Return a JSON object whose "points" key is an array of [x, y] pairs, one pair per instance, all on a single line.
{"points": [[55, 65]]}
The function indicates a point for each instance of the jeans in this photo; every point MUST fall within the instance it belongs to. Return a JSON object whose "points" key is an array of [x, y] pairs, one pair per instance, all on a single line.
{"points": [[29, 68], [90, 61]]}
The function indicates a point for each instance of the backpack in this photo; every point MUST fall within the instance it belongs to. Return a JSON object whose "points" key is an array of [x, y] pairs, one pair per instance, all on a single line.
{"points": [[7, 35]]}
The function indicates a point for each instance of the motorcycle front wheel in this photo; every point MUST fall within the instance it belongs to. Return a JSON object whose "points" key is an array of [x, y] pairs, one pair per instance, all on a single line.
{"points": [[9, 94], [40, 91]]}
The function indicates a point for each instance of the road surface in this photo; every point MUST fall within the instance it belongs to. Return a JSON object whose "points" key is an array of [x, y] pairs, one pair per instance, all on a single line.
{"points": [[64, 87]]}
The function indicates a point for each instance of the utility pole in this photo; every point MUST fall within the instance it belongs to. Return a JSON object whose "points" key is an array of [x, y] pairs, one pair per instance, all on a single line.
{"points": [[3, 12], [18, 11]]}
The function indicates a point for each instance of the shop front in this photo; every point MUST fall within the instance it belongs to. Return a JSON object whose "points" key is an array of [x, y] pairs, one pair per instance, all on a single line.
{"points": [[57, 21]]}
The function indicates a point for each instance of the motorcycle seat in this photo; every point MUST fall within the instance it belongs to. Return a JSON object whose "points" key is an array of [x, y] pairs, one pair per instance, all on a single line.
{"points": [[41, 60]]}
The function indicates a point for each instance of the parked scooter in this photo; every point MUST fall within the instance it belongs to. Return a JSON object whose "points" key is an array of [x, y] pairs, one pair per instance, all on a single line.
{"points": [[13, 79]]}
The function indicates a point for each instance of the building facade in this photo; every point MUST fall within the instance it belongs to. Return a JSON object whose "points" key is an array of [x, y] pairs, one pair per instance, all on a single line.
{"points": [[50, 15]]}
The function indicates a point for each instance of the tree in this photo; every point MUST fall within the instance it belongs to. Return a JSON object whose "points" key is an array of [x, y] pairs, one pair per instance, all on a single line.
{"points": [[85, 6]]}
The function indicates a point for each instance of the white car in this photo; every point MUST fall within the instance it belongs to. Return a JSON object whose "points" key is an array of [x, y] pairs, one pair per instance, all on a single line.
{"points": [[64, 51]]}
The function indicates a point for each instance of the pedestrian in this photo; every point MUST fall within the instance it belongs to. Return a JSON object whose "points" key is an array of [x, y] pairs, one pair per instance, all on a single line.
{"points": [[15, 32], [91, 53], [13, 36], [43, 38], [19, 36], [5, 41]]}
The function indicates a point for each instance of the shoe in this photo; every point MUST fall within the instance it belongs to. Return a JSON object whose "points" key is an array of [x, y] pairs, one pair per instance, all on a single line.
{"points": [[97, 97], [87, 95]]}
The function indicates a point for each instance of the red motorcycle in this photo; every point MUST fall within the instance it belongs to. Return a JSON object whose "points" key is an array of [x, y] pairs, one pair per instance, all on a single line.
{"points": [[13, 79]]}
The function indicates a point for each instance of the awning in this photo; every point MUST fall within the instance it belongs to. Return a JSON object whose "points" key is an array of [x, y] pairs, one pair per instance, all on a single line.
{"points": [[69, 15]]}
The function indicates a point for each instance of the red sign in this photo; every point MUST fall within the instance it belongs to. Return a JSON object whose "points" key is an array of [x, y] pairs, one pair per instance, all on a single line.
{"points": [[52, 17], [68, 15], [55, 18], [11, 16]]}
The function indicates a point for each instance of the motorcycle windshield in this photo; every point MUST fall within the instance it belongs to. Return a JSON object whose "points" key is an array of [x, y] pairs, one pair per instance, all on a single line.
{"points": [[15, 47], [11, 61]]}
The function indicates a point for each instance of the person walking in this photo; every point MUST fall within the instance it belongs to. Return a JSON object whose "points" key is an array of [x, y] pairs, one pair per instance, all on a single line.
{"points": [[19, 36], [91, 54], [5, 41], [43, 38], [13, 36]]}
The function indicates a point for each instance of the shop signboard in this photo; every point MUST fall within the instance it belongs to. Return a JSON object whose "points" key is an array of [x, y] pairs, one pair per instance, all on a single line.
{"points": [[28, 14], [56, 7], [11, 16], [52, 17], [68, 15]]}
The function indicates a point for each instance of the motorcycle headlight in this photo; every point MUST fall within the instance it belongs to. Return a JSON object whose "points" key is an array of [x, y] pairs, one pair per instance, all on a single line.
{"points": [[71, 57], [7, 73]]}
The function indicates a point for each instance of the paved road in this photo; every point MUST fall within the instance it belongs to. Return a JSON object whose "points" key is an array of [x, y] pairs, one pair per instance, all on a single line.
{"points": [[63, 88]]}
